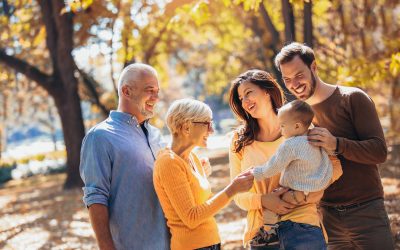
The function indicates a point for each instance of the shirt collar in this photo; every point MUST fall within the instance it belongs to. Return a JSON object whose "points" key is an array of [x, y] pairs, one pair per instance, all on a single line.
{"points": [[125, 118]]}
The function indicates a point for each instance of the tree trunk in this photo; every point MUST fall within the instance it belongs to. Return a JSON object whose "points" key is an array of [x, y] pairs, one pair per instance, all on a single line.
{"points": [[273, 46], [288, 17], [69, 109], [308, 26], [62, 84]]}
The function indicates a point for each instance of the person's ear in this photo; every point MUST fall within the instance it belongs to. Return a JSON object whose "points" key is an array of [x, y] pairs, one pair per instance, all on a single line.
{"points": [[313, 66], [126, 91], [186, 128], [297, 125]]}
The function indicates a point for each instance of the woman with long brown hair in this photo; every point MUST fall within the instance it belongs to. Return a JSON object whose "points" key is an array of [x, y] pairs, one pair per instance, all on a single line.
{"points": [[255, 97]]}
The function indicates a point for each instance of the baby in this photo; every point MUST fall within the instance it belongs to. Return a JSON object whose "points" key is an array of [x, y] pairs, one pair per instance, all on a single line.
{"points": [[304, 167]]}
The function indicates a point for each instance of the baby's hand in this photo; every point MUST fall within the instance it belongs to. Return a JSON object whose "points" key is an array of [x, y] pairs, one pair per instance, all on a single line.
{"points": [[294, 197], [250, 170], [278, 189], [205, 163]]}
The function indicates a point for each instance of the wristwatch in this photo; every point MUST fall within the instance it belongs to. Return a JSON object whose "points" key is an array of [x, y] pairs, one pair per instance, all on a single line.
{"points": [[337, 146]]}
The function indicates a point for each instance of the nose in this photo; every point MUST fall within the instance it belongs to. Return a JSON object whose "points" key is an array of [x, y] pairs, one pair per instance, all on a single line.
{"points": [[295, 83], [155, 96], [211, 129]]}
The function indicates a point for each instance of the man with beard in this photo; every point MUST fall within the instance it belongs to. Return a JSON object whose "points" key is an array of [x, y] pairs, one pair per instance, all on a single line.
{"points": [[117, 168], [347, 124]]}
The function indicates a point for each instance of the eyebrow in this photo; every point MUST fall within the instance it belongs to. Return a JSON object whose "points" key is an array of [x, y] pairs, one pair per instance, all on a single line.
{"points": [[151, 87], [245, 90], [298, 72]]}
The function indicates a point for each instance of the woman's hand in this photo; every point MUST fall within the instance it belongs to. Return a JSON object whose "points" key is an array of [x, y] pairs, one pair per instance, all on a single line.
{"points": [[273, 202], [205, 163], [242, 183]]}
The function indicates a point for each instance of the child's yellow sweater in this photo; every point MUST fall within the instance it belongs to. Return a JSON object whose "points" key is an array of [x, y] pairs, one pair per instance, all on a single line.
{"points": [[186, 199]]}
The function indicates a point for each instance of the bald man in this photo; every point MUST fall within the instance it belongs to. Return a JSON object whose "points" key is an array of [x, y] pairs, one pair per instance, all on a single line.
{"points": [[117, 168]]}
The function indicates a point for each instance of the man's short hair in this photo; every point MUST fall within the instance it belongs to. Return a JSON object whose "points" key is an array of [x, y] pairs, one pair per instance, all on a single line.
{"points": [[292, 50], [299, 111], [133, 73]]}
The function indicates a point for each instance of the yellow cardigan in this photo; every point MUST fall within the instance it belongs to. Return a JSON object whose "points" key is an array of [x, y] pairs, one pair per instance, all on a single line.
{"points": [[255, 154], [186, 199]]}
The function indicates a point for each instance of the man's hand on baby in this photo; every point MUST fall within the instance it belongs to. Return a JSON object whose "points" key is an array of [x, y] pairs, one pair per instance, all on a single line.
{"points": [[321, 137]]}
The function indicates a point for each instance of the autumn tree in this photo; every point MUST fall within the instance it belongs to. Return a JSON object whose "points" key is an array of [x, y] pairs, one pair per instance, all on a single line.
{"points": [[38, 41]]}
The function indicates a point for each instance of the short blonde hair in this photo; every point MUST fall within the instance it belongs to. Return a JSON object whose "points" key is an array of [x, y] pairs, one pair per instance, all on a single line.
{"points": [[186, 110]]}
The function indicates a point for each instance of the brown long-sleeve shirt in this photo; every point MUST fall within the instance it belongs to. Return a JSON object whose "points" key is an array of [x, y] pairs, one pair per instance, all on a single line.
{"points": [[350, 114]]}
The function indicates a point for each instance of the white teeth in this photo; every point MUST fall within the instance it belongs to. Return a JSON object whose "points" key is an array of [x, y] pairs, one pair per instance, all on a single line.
{"points": [[252, 106], [300, 90]]}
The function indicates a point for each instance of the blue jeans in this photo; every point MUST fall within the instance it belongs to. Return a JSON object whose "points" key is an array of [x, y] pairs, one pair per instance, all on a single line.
{"points": [[299, 236]]}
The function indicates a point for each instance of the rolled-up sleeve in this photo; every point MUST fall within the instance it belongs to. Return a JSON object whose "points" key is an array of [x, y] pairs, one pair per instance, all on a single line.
{"points": [[95, 169]]}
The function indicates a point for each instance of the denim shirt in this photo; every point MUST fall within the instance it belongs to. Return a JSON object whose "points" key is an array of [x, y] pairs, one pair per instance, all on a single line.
{"points": [[117, 170]]}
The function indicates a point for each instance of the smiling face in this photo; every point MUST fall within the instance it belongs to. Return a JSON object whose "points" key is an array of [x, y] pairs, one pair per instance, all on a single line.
{"points": [[144, 97], [200, 131], [299, 78], [255, 101]]}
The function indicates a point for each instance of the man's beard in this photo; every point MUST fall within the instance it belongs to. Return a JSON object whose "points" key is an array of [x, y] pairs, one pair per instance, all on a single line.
{"points": [[147, 114], [313, 85], [142, 108]]}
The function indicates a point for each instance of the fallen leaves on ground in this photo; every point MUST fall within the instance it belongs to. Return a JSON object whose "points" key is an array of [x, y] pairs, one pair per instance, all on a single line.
{"points": [[37, 213]]}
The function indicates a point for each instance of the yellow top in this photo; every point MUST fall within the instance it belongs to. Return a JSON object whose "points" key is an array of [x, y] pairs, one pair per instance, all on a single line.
{"points": [[186, 199], [255, 154]]}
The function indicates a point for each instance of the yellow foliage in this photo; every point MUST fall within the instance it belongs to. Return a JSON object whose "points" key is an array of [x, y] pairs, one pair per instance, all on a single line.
{"points": [[40, 37], [78, 5], [395, 65]]}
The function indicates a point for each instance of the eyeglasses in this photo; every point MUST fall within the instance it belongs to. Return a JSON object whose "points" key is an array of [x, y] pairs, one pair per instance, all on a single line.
{"points": [[209, 124]]}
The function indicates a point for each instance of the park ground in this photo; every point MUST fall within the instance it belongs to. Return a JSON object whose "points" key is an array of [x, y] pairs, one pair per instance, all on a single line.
{"points": [[36, 213]]}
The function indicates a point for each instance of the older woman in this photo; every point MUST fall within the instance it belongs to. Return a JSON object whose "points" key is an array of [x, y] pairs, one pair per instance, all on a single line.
{"points": [[181, 183], [255, 98]]}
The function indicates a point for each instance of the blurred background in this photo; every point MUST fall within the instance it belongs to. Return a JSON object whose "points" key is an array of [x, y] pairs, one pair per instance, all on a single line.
{"points": [[60, 62]]}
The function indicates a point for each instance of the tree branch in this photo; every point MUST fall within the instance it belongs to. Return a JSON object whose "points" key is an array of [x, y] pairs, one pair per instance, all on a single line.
{"points": [[27, 69], [51, 31], [308, 25], [288, 17], [91, 85], [150, 51], [270, 26]]}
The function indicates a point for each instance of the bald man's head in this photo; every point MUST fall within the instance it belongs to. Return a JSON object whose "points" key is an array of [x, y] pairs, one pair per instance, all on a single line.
{"points": [[133, 74], [138, 91]]}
